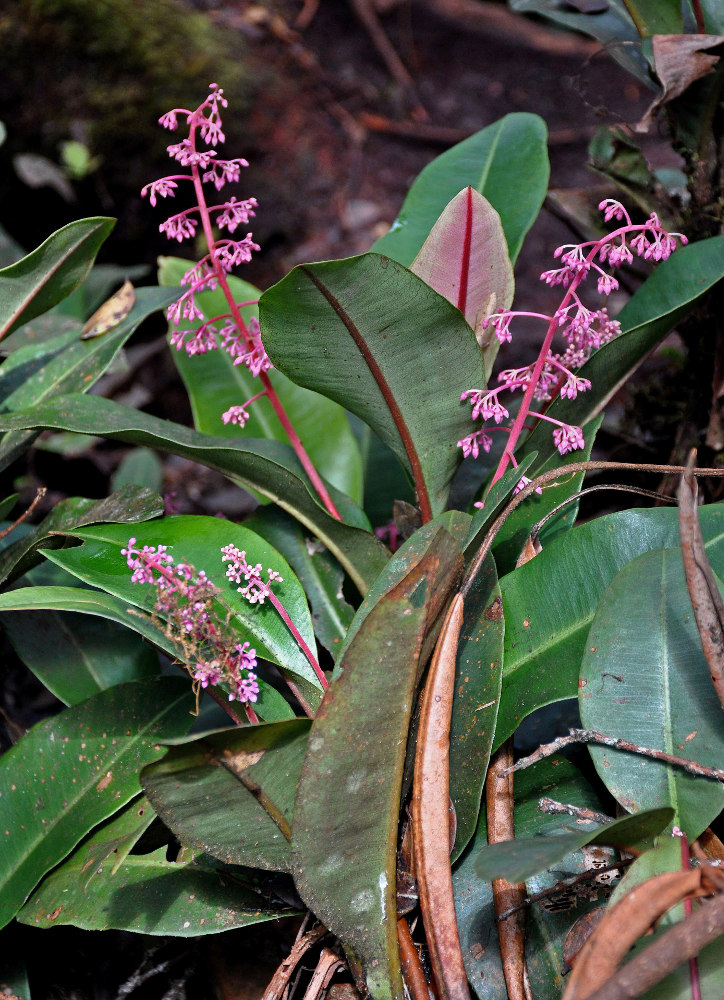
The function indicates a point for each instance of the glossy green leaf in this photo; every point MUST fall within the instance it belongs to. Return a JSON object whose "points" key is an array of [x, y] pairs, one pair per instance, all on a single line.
{"points": [[514, 533], [319, 573], [613, 28], [346, 815], [76, 769], [36, 283], [658, 695], [657, 17], [655, 308], [198, 541], [519, 859], [550, 602], [214, 383], [403, 562], [713, 16], [36, 373], [270, 705], [478, 676], [546, 925], [140, 467], [368, 333], [267, 466], [465, 259], [129, 505], [144, 893], [76, 656], [232, 793], [507, 162]]}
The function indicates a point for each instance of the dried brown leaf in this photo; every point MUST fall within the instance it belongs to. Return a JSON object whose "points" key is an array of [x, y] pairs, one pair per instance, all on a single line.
{"points": [[679, 60], [430, 817]]}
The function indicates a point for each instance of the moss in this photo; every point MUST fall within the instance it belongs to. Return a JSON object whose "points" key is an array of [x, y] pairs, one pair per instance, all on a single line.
{"points": [[102, 72]]}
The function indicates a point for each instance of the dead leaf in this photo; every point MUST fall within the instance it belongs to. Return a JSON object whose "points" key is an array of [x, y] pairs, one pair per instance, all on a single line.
{"points": [[679, 60], [430, 816], [706, 600], [624, 924], [111, 313], [507, 895]]}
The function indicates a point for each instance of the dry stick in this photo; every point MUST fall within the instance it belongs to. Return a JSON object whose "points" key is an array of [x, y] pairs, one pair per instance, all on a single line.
{"points": [[567, 883], [412, 970], [329, 962], [685, 940], [550, 477], [284, 973], [706, 600], [600, 739], [26, 514], [552, 808], [508, 897]]}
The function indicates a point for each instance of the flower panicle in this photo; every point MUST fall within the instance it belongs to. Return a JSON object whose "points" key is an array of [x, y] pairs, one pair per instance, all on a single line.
{"points": [[198, 154], [184, 602], [582, 330]]}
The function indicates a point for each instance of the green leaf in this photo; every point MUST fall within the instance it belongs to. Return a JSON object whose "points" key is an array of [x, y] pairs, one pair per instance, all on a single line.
{"points": [[346, 814], [659, 304], [128, 505], [403, 562], [513, 535], [713, 17], [146, 893], [613, 28], [140, 467], [659, 695], [198, 541], [465, 259], [36, 283], [494, 501], [519, 859], [76, 656], [368, 333], [478, 676], [507, 162], [232, 793], [76, 769], [657, 17], [267, 466], [214, 383], [319, 573], [35, 373], [550, 602], [546, 926]]}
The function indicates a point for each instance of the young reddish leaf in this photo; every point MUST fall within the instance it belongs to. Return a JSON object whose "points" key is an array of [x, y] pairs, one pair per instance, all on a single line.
{"points": [[430, 813], [465, 259]]}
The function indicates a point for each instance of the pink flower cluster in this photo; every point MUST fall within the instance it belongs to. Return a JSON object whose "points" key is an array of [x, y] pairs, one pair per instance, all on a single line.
{"points": [[255, 590], [228, 332], [184, 600], [583, 331]]}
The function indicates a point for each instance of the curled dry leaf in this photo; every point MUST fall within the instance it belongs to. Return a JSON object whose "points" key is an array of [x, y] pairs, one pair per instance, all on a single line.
{"points": [[430, 815], [507, 896], [625, 923], [706, 600], [679, 60]]}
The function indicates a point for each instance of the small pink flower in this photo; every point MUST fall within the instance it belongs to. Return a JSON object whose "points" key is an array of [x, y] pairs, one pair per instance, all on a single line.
{"points": [[236, 415], [568, 438]]}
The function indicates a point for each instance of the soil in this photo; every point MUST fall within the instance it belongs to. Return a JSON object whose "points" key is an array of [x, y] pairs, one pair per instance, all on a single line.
{"points": [[328, 183]]}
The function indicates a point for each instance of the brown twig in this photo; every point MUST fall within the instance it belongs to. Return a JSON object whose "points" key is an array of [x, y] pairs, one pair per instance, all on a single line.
{"points": [[567, 883], [600, 739], [284, 973], [329, 962], [26, 513], [706, 600], [553, 808], [412, 970], [551, 476], [508, 898]]}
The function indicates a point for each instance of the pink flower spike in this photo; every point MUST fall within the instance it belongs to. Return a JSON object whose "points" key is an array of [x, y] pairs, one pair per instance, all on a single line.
{"points": [[521, 485], [163, 188], [568, 438]]}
